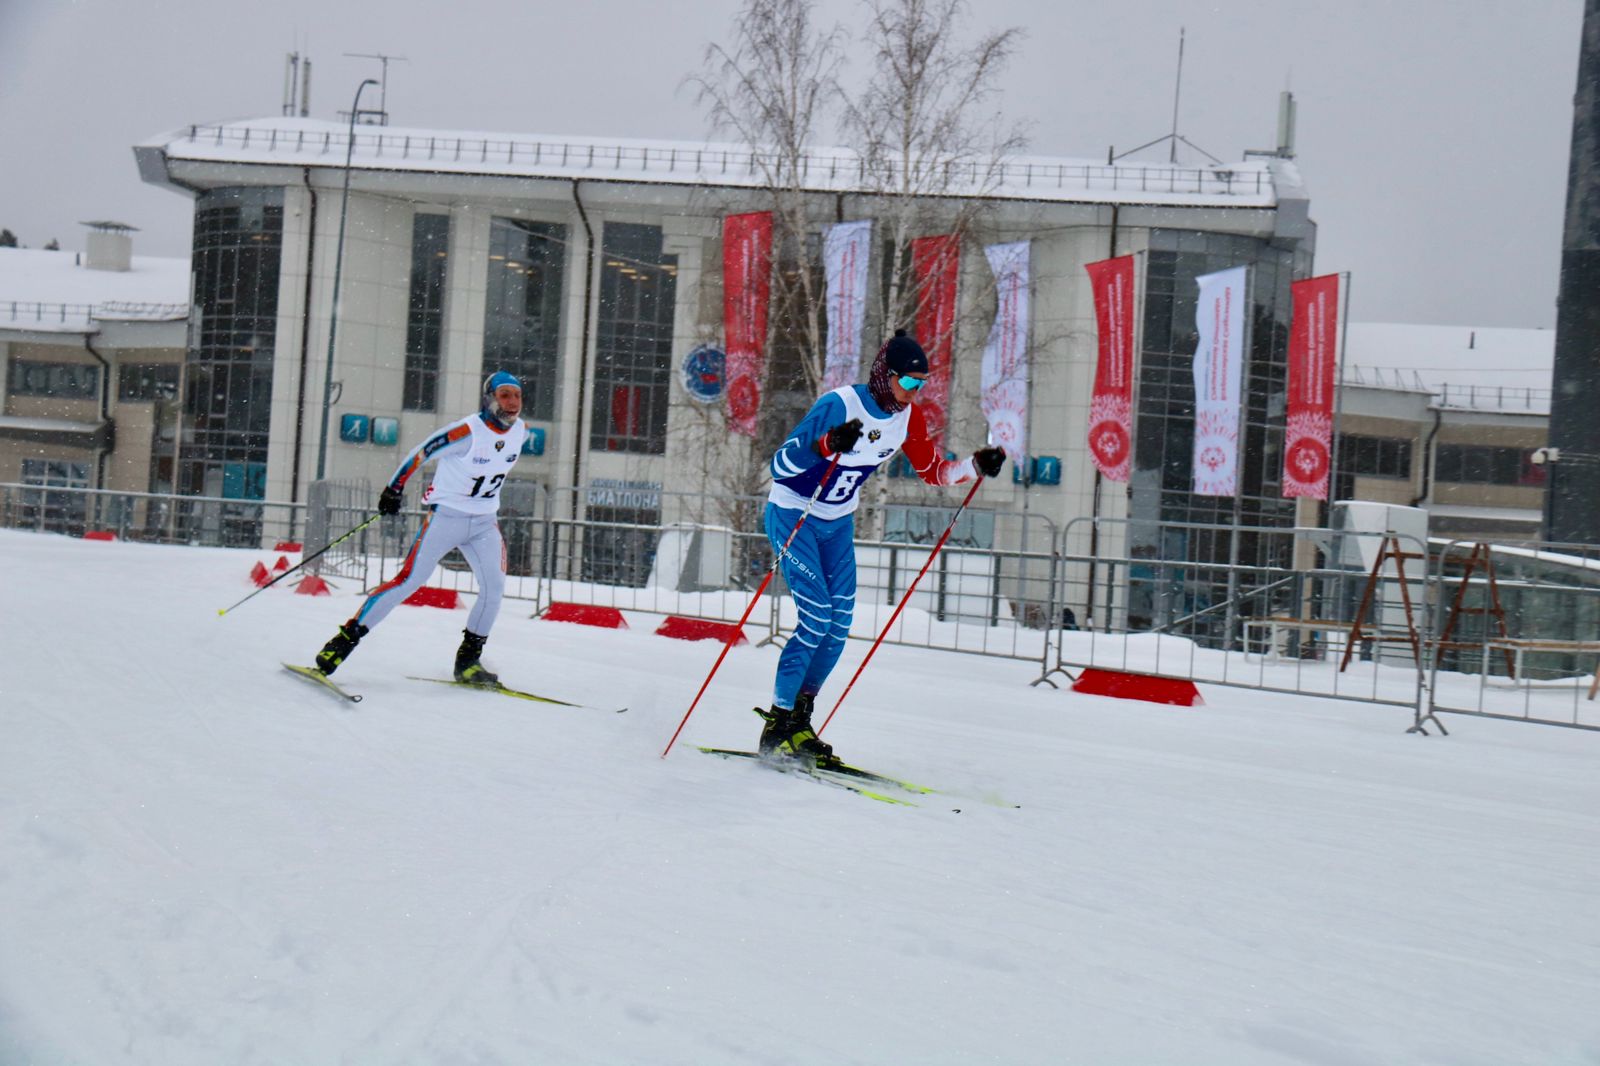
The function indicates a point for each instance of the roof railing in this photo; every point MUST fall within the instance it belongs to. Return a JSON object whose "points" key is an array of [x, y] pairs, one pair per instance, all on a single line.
{"points": [[41, 312], [820, 168]]}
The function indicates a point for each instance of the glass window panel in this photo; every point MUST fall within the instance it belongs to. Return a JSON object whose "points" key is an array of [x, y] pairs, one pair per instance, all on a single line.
{"points": [[522, 313], [633, 346], [430, 240]]}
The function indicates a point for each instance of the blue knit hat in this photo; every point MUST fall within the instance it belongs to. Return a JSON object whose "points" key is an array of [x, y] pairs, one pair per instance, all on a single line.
{"points": [[904, 355]]}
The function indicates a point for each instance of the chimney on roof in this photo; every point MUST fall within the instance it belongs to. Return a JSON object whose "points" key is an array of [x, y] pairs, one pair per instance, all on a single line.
{"points": [[110, 245]]}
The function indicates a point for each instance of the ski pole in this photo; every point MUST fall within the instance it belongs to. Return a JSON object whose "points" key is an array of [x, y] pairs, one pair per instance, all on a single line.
{"points": [[301, 563], [734, 636], [901, 605]]}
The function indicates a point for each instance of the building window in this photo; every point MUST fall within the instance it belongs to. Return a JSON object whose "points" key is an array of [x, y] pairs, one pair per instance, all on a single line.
{"points": [[62, 381], [1374, 456], [147, 382], [56, 512], [1479, 464], [633, 350], [430, 240], [522, 311], [1161, 487], [227, 380]]}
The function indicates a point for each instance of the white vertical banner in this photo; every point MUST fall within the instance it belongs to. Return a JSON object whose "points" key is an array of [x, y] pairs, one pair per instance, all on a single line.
{"points": [[1005, 354], [1218, 361], [846, 248]]}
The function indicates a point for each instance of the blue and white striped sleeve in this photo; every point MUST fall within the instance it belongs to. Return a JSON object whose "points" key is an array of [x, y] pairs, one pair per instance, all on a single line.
{"points": [[799, 453]]}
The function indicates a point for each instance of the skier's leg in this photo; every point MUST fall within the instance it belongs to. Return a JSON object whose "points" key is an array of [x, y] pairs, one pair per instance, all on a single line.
{"points": [[838, 551], [440, 532], [485, 552], [788, 730], [433, 540], [802, 572]]}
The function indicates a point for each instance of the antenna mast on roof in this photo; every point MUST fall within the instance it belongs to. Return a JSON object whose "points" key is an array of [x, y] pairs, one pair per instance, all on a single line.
{"points": [[380, 117], [297, 85], [1112, 155]]}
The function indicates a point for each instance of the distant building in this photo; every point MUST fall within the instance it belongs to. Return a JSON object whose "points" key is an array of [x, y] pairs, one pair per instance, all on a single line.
{"points": [[593, 270], [91, 367], [1447, 418]]}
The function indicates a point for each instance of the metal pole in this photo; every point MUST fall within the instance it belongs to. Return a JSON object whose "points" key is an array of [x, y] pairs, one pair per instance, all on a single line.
{"points": [[338, 269], [1247, 342], [1338, 392]]}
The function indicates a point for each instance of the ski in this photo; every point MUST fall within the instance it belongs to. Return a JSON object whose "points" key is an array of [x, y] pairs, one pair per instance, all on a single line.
{"points": [[816, 773], [505, 691], [317, 677], [845, 770], [842, 768]]}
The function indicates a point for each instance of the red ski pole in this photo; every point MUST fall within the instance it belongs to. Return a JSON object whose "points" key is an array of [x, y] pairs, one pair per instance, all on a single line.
{"points": [[902, 604], [734, 636]]}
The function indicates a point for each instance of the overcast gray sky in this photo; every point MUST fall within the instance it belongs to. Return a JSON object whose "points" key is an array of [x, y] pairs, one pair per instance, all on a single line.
{"points": [[1433, 134]]}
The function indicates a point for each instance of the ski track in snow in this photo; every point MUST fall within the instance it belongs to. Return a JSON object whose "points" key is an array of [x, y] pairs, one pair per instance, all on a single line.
{"points": [[203, 859]]}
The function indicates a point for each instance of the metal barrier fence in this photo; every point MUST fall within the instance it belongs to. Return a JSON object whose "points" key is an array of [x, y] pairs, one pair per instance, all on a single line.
{"points": [[1510, 632], [1518, 632], [702, 555], [143, 516], [1149, 606]]}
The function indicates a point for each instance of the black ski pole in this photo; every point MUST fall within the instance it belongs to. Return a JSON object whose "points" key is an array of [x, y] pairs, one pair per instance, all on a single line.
{"points": [[302, 562]]}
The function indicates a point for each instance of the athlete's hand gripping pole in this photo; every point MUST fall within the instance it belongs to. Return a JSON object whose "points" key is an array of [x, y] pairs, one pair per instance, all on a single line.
{"points": [[301, 563], [902, 604], [734, 635]]}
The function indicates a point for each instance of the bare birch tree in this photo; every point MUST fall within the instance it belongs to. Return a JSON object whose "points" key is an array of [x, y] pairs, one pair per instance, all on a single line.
{"points": [[926, 149], [930, 150], [773, 89]]}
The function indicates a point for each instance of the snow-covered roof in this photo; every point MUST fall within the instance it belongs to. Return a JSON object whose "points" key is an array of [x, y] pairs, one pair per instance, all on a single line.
{"points": [[317, 142], [51, 292], [1463, 367]]}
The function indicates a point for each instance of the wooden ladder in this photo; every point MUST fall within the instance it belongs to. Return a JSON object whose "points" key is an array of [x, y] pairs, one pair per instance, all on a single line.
{"points": [[1391, 550], [1479, 558]]}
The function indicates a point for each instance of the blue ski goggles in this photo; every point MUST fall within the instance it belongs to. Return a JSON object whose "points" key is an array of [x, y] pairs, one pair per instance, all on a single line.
{"points": [[911, 384]]}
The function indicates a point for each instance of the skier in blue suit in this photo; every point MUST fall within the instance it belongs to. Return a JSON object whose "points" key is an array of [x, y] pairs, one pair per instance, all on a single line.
{"points": [[863, 426]]}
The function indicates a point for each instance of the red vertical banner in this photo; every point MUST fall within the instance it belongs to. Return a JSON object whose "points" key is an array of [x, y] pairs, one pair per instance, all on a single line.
{"points": [[1111, 406], [936, 264], [1313, 353], [746, 289]]}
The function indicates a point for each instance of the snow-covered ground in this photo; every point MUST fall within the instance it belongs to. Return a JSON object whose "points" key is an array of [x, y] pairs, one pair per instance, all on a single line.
{"points": [[204, 859]]}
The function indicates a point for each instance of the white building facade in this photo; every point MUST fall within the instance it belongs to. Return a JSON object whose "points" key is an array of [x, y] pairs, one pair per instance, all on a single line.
{"points": [[593, 271]]}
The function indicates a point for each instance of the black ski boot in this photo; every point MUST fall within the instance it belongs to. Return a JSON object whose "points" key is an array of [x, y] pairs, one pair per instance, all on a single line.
{"points": [[469, 671], [339, 648], [788, 734]]}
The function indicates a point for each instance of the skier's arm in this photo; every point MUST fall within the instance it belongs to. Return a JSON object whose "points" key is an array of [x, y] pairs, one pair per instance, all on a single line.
{"points": [[455, 439], [931, 466], [799, 451]]}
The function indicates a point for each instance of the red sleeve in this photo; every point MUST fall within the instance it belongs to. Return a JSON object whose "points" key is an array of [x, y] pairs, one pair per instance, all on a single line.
{"points": [[925, 458]]}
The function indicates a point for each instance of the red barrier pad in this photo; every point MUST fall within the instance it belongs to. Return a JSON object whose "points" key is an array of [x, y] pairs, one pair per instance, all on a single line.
{"points": [[282, 563], [680, 628], [427, 596], [259, 575], [312, 585], [585, 614], [1146, 687], [286, 546], [99, 534]]}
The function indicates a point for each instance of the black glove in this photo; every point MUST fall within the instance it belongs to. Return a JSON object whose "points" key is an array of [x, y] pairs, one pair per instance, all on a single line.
{"points": [[842, 438], [389, 500], [989, 460]]}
